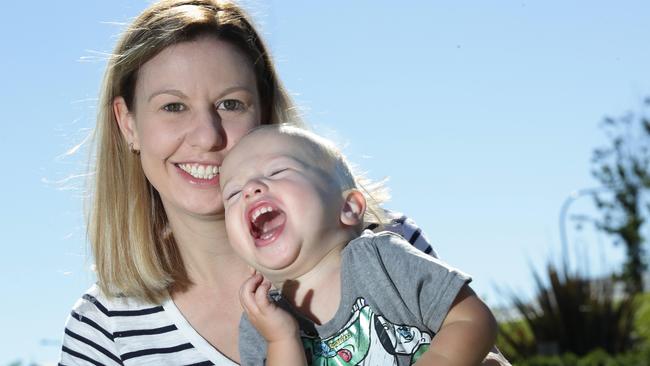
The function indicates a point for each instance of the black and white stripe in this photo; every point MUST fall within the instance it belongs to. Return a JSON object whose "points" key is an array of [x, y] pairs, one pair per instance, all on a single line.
{"points": [[122, 331], [408, 229]]}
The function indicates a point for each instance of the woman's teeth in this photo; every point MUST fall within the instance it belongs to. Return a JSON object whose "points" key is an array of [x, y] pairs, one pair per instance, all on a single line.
{"points": [[200, 171]]}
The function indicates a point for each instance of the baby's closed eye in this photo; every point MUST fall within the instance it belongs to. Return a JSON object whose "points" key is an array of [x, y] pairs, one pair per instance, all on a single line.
{"points": [[277, 171], [231, 193]]}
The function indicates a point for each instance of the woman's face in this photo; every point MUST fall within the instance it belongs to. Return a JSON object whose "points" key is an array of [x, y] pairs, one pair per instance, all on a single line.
{"points": [[193, 102]]}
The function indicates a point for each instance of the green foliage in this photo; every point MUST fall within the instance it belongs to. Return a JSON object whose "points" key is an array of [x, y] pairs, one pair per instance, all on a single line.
{"points": [[642, 321], [597, 357], [570, 313], [564, 360], [515, 339], [638, 355], [623, 167]]}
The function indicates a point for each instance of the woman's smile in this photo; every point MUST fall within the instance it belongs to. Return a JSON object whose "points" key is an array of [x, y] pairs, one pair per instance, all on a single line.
{"points": [[200, 174]]}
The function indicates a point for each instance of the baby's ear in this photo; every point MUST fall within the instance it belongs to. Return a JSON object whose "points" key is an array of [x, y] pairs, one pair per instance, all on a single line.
{"points": [[354, 206]]}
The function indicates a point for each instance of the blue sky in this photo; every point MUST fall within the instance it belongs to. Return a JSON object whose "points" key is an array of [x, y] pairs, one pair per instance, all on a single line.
{"points": [[484, 118]]}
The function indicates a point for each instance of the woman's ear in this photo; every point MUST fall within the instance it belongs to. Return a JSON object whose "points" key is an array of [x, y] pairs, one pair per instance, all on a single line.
{"points": [[354, 207], [126, 123]]}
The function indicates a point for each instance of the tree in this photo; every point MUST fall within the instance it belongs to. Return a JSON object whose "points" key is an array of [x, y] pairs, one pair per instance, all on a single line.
{"points": [[623, 167], [571, 312]]}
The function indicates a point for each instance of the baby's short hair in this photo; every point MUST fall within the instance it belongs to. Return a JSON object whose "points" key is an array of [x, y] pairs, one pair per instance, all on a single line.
{"points": [[329, 156]]}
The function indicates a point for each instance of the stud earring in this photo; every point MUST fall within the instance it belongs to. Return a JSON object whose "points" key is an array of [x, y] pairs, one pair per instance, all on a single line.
{"points": [[133, 150]]}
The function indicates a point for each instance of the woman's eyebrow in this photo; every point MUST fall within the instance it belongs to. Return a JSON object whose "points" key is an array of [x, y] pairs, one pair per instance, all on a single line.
{"points": [[235, 88], [174, 92]]}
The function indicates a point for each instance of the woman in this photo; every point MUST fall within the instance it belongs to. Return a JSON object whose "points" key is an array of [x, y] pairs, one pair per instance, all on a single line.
{"points": [[186, 81]]}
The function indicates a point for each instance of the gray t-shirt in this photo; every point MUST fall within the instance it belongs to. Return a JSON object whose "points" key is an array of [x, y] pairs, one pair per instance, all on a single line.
{"points": [[393, 301]]}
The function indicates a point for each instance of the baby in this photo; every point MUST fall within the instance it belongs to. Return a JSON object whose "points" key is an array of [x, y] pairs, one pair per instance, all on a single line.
{"points": [[346, 296]]}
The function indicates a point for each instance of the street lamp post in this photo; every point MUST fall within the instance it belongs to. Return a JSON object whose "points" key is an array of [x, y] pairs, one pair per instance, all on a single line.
{"points": [[564, 209]]}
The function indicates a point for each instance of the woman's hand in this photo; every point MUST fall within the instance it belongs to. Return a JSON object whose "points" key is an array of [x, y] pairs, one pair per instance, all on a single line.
{"points": [[495, 358]]}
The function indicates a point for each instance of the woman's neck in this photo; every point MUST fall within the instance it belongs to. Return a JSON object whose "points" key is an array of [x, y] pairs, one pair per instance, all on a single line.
{"points": [[207, 255]]}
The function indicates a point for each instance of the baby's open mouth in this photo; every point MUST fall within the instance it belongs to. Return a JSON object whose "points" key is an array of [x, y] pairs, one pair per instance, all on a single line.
{"points": [[265, 221]]}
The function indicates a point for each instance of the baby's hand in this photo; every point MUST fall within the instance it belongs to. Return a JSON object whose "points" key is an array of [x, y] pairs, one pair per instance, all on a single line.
{"points": [[273, 323]]}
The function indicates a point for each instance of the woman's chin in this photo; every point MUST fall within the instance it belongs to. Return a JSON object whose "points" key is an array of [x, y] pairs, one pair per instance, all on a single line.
{"points": [[197, 206], [212, 206]]}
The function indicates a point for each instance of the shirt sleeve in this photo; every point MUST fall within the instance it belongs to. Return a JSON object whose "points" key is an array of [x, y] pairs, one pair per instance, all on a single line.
{"points": [[406, 227], [88, 338], [427, 286]]}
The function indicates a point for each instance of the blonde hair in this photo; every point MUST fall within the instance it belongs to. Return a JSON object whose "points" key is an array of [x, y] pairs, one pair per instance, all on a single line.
{"points": [[134, 250], [326, 154]]}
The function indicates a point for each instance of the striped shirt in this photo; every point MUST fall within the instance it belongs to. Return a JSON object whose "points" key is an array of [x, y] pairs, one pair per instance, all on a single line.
{"points": [[125, 331]]}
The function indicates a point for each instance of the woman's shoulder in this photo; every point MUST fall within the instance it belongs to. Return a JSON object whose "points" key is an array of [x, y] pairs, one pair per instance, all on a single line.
{"points": [[406, 227], [95, 311], [97, 322], [95, 300]]}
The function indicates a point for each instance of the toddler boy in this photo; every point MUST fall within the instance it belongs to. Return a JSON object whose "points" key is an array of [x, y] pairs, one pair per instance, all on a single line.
{"points": [[295, 213]]}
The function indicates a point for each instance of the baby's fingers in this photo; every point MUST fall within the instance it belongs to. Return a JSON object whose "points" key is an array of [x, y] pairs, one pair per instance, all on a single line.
{"points": [[262, 296], [247, 293]]}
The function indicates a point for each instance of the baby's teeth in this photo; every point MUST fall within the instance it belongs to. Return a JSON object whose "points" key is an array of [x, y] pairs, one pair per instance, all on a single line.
{"points": [[260, 211]]}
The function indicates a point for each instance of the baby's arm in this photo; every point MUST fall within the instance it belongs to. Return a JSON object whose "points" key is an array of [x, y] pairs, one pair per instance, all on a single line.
{"points": [[279, 328], [466, 335]]}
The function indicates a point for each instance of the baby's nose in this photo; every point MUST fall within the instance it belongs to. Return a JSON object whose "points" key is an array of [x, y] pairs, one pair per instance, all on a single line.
{"points": [[254, 188]]}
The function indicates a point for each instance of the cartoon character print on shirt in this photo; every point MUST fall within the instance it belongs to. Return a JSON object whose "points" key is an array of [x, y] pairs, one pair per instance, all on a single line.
{"points": [[367, 339]]}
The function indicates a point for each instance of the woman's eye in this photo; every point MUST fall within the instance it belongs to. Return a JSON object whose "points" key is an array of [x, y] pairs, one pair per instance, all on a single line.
{"points": [[174, 107], [230, 105]]}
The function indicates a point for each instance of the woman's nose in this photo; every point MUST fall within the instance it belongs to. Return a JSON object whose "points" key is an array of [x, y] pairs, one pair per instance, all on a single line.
{"points": [[254, 188], [207, 131]]}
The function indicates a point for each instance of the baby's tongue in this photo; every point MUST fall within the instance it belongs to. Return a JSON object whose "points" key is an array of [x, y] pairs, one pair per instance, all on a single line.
{"points": [[273, 221]]}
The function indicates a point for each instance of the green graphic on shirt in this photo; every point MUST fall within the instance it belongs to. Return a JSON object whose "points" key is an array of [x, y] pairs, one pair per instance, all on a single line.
{"points": [[418, 353], [366, 339]]}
